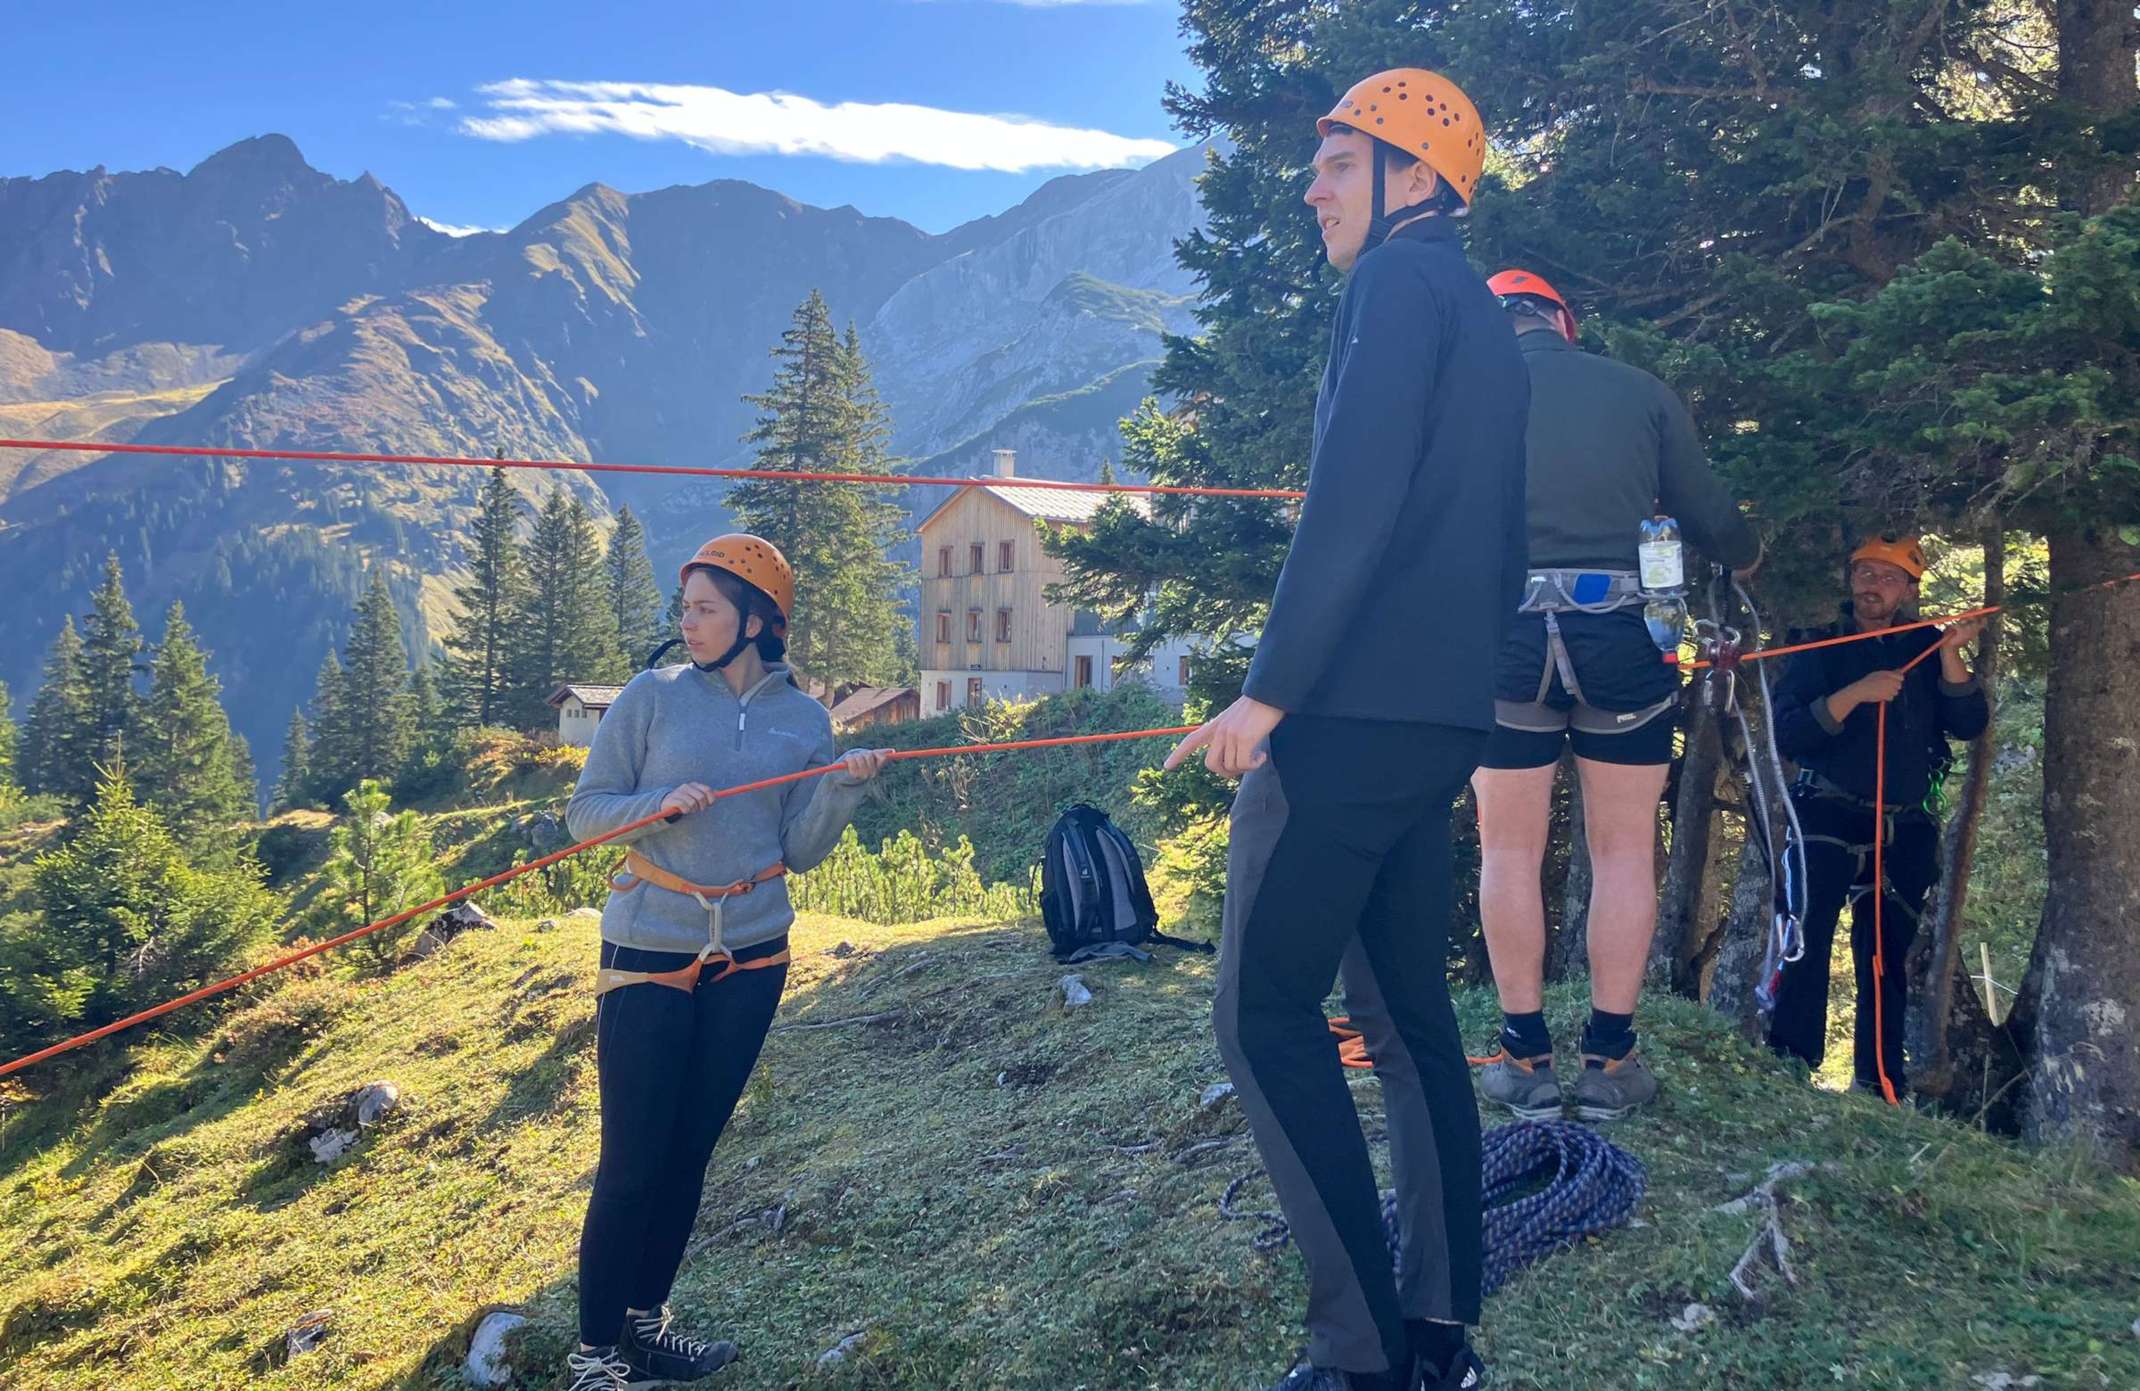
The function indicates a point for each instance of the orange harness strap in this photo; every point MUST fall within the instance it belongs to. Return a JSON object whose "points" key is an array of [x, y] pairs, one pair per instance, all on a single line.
{"points": [[684, 978], [636, 869]]}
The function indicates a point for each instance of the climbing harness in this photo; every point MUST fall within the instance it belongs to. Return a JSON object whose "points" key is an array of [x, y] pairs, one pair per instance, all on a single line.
{"points": [[1551, 593], [1885, 819], [1724, 655], [1545, 1186], [635, 871]]}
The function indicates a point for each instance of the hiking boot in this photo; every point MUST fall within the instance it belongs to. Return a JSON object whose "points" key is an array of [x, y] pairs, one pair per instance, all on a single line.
{"points": [[1609, 1088], [654, 1351], [1526, 1086], [600, 1370], [1466, 1373], [1304, 1377]]}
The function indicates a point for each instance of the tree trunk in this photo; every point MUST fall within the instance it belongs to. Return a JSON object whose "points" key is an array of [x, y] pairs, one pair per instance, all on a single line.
{"points": [[1737, 967], [1683, 924], [2074, 1019], [2096, 42], [1942, 1001], [1568, 950]]}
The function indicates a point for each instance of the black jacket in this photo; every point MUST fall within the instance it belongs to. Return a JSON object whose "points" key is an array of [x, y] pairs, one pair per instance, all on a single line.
{"points": [[1610, 445], [1920, 721], [1409, 556]]}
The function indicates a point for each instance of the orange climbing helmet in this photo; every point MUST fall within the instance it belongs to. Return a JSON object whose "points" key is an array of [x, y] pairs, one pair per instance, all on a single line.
{"points": [[1423, 114], [1902, 552], [755, 561], [1523, 284]]}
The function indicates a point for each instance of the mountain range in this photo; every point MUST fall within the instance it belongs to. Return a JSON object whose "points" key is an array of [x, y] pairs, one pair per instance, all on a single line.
{"points": [[255, 301]]}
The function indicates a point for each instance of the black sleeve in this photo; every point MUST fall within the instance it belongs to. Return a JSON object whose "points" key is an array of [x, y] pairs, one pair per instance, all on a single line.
{"points": [[1803, 724], [1964, 712], [1371, 445], [1692, 494]]}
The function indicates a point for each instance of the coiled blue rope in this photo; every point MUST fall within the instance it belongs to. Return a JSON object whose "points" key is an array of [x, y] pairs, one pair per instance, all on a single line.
{"points": [[1579, 1184], [1589, 1185]]}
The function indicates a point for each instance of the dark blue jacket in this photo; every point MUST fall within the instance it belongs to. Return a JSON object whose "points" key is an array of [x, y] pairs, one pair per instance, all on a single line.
{"points": [[1920, 721], [1409, 557]]}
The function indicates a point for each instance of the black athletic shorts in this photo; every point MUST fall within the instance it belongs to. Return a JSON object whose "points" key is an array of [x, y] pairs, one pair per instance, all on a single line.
{"points": [[1624, 714]]}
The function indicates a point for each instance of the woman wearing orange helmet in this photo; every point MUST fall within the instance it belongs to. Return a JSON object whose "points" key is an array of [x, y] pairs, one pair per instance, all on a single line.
{"points": [[694, 935]]}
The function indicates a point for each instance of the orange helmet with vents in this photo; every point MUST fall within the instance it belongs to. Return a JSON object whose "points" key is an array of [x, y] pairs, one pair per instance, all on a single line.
{"points": [[1902, 552], [1510, 283], [754, 560], [1422, 113]]}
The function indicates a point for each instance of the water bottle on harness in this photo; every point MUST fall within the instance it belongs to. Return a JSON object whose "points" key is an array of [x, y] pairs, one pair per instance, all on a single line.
{"points": [[1657, 587], [1664, 585]]}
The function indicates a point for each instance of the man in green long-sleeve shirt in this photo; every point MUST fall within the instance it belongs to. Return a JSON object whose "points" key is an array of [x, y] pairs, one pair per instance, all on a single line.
{"points": [[1609, 445]]}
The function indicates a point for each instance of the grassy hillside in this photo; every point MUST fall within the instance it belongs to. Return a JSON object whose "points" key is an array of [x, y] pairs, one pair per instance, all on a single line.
{"points": [[1002, 1194]]}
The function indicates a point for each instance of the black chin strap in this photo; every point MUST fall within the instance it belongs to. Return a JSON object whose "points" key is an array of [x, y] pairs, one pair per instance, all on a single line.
{"points": [[734, 651], [1383, 224]]}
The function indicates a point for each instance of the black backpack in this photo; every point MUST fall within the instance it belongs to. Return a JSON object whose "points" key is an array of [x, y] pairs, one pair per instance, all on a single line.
{"points": [[1093, 897]]}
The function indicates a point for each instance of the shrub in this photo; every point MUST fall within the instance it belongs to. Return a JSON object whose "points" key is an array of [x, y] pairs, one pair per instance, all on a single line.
{"points": [[902, 882]]}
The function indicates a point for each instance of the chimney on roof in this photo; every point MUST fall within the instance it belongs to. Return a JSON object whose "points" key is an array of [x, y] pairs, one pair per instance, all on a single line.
{"points": [[1006, 463]]}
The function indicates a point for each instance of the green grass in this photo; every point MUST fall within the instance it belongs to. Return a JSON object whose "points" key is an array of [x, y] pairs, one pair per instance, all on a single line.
{"points": [[964, 1175]]}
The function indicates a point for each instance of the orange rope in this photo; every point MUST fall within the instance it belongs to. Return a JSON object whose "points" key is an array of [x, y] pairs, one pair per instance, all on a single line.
{"points": [[284, 962], [1935, 622], [879, 480]]}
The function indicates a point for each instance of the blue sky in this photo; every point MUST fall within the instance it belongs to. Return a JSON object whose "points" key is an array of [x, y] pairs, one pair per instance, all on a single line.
{"points": [[935, 111]]}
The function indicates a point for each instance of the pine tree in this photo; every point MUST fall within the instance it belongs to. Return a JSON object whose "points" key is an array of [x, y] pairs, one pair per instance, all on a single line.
{"points": [[381, 864], [126, 919], [9, 740], [53, 758], [293, 789], [328, 760], [479, 648], [634, 598], [822, 414], [111, 646], [375, 671], [564, 630], [189, 761]]}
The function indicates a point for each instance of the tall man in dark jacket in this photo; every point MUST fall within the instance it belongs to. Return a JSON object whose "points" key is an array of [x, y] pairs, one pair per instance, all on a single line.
{"points": [[1365, 711], [1826, 722]]}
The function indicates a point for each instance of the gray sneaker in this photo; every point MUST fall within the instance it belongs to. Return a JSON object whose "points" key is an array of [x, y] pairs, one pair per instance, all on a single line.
{"points": [[1526, 1086], [1610, 1091]]}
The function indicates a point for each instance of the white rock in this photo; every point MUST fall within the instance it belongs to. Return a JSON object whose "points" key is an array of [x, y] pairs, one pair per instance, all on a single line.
{"points": [[374, 1101], [1075, 995], [332, 1145], [2005, 1381], [834, 1356], [1214, 1094], [546, 925], [465, 915], [1693, 1317], [487, 1365], [584, 913], [426, 945]]}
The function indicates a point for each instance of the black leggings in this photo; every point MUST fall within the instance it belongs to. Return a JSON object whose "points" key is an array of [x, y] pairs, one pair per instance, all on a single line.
{"points": [[672, 1067], [1340, 865]]}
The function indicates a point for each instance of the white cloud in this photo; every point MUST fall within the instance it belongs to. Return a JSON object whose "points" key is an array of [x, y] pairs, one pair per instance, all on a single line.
{"points": [[733, 123], [454, 229], [419, 113]]}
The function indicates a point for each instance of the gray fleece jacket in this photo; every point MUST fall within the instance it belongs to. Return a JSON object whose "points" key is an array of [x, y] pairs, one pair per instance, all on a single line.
{"points": [[677, 725]]}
